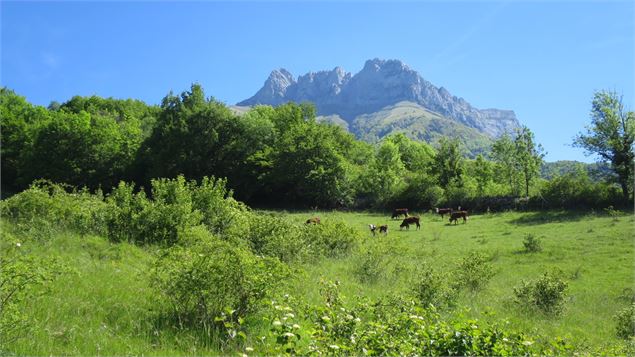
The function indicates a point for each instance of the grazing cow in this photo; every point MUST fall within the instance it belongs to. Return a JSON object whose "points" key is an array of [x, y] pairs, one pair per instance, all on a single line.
{"points": [[383, 229], [373, 228], [443, 211], [398, 212], [408, 221], [458, 214], [314, 220]]}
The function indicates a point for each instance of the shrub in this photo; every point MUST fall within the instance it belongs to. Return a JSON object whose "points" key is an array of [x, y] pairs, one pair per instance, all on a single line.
{"points": [[532, 244], [625, 322], [546, 294], [208, 276], [47, 206], [473, 272], [331, 238], [433, 288], [275, 237], [20, 276], [370, 265]]}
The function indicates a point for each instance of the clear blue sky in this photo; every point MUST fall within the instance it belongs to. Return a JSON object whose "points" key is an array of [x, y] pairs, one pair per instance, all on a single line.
{"points": [[542, 59]]}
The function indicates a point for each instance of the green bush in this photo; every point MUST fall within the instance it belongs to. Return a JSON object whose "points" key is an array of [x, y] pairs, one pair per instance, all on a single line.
{"points": [[473, 272], [46, 206], [207, 276], [331, 238], [532, 244], [275, 237], [371, 264], [546, 294], [433, 288], [625, 322]]}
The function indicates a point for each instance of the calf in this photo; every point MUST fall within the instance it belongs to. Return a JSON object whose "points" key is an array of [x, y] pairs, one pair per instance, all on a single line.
{"points": [[458, 214], [408, 221], [443, 211], [314, 220], [398, 212], [373, 228], [383, 229]]}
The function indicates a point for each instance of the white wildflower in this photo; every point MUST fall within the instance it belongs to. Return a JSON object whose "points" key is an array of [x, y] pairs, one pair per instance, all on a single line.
{"points": [[296, 326], [335, 347], [527, 343], [249, 349], [18, 244], [326, 318], [290, 315], [277, 323], [289, 334]]}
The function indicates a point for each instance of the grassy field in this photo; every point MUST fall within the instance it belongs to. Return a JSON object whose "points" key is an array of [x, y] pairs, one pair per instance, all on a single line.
{"points": [[106, 307]]}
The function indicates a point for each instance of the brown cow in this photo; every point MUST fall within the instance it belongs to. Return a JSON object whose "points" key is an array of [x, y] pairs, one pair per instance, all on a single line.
{"points": [[314, 220], [443, 211], [398, 212], [408, 221], [458, 214]]}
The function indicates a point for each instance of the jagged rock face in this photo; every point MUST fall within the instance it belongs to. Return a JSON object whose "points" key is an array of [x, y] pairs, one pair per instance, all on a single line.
{"points": [[379, 84]]}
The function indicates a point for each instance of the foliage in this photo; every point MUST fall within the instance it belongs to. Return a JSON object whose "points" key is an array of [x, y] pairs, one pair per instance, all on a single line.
{"points": [[371, 264], [331, 239], [473, 272], [23, 277], [432, 287], [448, 162], [528, 156], [611, 136], [202, 279], [532, 244], [625, 322], [546, 294]]}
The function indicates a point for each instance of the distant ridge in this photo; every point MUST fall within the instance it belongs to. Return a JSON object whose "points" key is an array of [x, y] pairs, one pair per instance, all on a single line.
{"points": [[381, 83]]}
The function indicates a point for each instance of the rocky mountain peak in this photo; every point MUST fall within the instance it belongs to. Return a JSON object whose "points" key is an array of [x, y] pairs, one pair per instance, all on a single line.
{"points": [[379, 84]]}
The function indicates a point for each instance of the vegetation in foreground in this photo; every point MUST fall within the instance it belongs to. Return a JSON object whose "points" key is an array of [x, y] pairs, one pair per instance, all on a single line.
{"points": [[192, 271]]}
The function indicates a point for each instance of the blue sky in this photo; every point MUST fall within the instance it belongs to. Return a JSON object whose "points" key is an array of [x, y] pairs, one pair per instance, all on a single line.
{"points": [[542, 59]]}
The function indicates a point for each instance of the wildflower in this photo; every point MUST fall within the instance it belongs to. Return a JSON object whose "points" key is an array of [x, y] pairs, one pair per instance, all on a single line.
{"points": [[18, 244], [289, 334], [296, 326], [527, 343], [505, 339], [286, 308], [249, 349], [349, 317], [474, 327], [335, 347], [357, 319], [326, 318], [290, 315], [277, 323]]}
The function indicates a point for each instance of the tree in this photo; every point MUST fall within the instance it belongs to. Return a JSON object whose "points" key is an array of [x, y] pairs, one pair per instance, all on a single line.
{"points": [[482, 172], [611, 136], [528, 156], [448, 163], [503, 154]]}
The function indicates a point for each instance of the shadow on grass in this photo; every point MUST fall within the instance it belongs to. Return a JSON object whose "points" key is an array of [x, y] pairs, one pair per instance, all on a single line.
{"points": [[535, 218]]}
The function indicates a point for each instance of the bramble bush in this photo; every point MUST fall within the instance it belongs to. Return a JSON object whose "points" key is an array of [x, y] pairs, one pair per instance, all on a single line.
{"points": [[331, 239], [546, 294], [392, 327]]}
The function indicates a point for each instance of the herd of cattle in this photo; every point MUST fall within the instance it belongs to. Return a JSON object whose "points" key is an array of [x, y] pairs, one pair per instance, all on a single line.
{"points": [[455, 215]]}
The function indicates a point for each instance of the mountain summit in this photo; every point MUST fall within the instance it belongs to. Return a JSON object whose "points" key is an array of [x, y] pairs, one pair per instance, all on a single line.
{"points": [[380, 84]]}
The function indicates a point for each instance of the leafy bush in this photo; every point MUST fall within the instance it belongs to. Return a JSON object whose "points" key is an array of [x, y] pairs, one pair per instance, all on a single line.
{"points": [[371, 263], [46, 206], [473, 272], [21, 274], [433, 288], [275, 237], [331, 238], [392, 327], [625, 322], [532, 244], [207, 276], [546, 294]]}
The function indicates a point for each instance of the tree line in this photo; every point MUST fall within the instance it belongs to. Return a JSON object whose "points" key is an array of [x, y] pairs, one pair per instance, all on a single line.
{"points": [[282, 156]]}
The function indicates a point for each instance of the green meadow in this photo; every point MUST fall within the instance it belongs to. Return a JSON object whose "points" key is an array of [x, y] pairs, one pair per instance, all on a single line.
{"points": [[104, 305]]}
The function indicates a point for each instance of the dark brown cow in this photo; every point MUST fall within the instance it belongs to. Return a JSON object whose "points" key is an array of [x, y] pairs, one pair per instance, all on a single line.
{"points": [[383, 229], [443, 211], [458, 214], [314, 220], [408, 221], [398, 212]]}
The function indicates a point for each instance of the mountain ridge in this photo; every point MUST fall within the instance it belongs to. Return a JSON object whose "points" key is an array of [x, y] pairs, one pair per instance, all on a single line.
{"points": [[379, 84]]}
